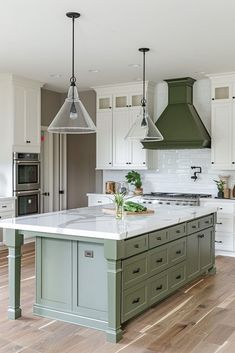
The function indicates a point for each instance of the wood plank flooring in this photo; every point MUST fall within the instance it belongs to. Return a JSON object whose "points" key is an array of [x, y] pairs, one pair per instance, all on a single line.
{"points": [[199, 318]]}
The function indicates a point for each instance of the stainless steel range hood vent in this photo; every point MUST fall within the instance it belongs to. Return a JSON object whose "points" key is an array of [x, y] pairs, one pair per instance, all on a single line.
{"points": [[180, 124]]}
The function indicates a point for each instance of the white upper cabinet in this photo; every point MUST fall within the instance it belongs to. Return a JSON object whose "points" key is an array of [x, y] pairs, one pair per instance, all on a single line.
{"points": [[223, 121], [117, 109], [26, 116]]}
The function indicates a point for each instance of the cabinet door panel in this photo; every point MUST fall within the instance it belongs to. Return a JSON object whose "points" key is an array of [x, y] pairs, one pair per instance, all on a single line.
{"points": [[206, 244], [193, 261], [19, 115], [221, 125], [121, 147], [32, 116], [138, 158], [104, 140]]}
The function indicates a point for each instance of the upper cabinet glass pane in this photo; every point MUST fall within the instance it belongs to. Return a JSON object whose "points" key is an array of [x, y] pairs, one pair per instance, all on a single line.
{"points": [[221, 92], [121, 102], [136, 100], [104, 103]]}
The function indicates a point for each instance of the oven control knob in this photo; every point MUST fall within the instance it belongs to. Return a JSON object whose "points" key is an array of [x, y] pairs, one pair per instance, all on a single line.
{"points": [[184, 204], [177, 203], [168, 203], [150, 202], [160, 203]]}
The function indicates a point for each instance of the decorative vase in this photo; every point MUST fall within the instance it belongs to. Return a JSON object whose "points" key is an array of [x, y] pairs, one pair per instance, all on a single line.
{"points": [[119, 211], [220, 194], [138, 191]]}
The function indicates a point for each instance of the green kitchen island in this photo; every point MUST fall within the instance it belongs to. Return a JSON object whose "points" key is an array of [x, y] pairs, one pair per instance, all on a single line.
{"points": [[99, 272]]}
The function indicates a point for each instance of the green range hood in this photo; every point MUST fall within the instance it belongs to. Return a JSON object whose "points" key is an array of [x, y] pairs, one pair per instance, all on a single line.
{"points": [[180, 123]]}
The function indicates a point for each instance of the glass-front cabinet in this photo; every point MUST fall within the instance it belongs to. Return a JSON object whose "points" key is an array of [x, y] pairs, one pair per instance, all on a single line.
{"points": [[222, 92]]}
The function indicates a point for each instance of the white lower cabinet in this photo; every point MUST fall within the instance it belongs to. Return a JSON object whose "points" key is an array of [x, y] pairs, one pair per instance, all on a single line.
{"points": [[7, 210], [99, 199], [224, 229]]}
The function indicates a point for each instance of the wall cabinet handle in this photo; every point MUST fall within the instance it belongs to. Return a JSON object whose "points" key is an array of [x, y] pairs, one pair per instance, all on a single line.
{"points": [[218, 241], [135, 301], [219, 223], [136, 271]]}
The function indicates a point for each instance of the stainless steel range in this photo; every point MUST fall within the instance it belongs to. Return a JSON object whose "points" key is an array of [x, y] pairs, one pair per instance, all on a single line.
{"points": [[178, 199]]}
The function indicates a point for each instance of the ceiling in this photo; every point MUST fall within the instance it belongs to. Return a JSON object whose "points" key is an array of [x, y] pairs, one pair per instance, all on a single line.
{"points": [[186, 38]]}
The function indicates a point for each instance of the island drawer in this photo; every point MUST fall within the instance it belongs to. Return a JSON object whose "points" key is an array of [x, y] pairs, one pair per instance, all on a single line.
{"points": [[8, 205], [158, 259], [177, 231], [135, 300], [136, 245], [135, 269], [157, 238], [193, 226], [177, 275], [177, 251], [158, 287], [206, 221]]}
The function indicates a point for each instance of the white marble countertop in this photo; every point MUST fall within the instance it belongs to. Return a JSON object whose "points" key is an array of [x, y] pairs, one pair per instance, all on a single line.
{"points": [[92, 222]]}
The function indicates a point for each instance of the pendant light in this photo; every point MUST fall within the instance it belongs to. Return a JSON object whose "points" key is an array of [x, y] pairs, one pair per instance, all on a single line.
{"points": [[144, 128], [72, 117]]}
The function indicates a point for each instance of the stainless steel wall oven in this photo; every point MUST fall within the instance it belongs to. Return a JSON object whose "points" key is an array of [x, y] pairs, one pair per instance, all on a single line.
{"points": [[26, 183]]}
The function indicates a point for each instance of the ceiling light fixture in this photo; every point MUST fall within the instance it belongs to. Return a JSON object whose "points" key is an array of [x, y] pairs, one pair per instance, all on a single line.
{"points": [[144, 128], [72, 117]]}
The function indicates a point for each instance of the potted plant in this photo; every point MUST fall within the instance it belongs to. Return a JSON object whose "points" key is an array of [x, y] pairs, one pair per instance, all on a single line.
{"points": [[134, 178], [220, 186]]}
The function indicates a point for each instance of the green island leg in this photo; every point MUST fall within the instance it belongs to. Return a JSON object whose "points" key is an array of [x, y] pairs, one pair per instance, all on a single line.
{"points": [[114, 332], [14, 242]]}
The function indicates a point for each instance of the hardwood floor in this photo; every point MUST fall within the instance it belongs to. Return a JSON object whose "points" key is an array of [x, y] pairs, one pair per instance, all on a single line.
{"points": [[200, 318]]}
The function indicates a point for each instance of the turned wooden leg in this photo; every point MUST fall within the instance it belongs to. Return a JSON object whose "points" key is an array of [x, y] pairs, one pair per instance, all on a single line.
{"points": [[14, 242]]}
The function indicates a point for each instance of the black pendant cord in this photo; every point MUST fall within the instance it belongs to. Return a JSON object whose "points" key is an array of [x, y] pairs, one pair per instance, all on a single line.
{"points": [[143, 100]]}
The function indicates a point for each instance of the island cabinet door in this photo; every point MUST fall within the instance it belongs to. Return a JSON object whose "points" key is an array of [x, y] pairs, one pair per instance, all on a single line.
{"points": [[206, 243], [54, 273], [193, 260], [90, 290]]}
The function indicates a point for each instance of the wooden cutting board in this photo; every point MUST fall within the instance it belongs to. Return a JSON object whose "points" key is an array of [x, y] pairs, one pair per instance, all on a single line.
{"points": [[112, 211]]}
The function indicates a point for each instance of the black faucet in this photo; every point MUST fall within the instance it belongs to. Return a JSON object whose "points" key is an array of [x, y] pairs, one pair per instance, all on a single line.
{"points": [[194, 176]]}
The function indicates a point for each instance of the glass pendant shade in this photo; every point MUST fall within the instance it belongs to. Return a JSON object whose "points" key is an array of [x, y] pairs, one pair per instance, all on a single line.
{"points": [[72, 117], [144, 128]]}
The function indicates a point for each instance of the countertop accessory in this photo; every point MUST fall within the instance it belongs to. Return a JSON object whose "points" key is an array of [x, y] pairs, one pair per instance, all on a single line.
{"points": [[194, 176], [72, 117], [220, 186], [122, 187], [134, 178], [144, 128], [112, 211], [119, 203], [110, 187]]}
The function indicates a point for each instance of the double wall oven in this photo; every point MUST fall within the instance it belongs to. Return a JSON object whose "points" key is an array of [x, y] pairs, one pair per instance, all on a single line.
{"points": [[26, 183]]}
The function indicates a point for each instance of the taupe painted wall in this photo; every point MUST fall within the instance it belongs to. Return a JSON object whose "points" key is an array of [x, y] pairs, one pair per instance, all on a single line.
{"points": [[81, 149]]}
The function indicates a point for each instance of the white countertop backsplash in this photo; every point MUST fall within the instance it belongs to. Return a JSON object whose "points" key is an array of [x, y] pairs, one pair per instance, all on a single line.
{"points": [[174, 173], [92, 222]]}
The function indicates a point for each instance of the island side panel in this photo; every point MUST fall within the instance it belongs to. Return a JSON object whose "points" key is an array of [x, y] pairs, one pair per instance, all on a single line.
{"points": [[14, 242]]}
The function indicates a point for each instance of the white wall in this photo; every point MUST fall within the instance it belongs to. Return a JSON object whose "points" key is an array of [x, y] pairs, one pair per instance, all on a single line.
{"points": [[174, 166]]}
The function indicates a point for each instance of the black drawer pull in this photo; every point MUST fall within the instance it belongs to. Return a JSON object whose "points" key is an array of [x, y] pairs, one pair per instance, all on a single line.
{"points": [[219, 223], [201, 236], [206, 222], [218, 241], [136, 271], [159, 288], [159, 238], [220, 208], [178, 231], [136, 246], [159, 260], [178, 252], [178, 277], [4, 206], [135, 301], [194, 227]]}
